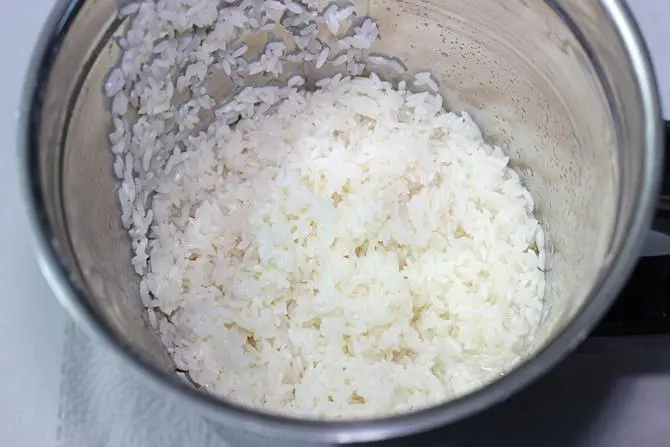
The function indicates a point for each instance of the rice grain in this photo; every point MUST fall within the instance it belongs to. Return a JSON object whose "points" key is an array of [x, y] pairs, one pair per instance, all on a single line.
{"points": [[318, 251]]}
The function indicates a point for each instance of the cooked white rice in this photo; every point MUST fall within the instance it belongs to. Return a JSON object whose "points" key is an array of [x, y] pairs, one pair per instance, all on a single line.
{"points": [[354, 251]]}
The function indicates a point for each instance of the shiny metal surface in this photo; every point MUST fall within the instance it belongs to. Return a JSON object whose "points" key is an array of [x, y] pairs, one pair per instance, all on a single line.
{"points": [[572, 98]]}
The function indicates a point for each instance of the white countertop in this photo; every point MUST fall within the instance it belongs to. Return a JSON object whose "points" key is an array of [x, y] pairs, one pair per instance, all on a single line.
{"points": [[31, 322]]}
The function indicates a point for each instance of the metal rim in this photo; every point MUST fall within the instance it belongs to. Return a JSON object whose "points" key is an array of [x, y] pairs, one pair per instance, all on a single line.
{"points": [[73, 299]]}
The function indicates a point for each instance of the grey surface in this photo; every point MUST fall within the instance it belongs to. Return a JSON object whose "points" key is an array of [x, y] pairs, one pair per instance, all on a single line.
{"points": [[656, 244], [103, 404]]}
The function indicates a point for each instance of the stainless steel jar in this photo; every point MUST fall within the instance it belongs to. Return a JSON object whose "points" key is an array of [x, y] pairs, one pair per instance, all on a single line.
{"points": [[565, 85]]}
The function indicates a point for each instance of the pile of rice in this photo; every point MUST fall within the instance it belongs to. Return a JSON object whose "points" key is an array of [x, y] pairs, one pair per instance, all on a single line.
{"points": [[353, 250]]}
